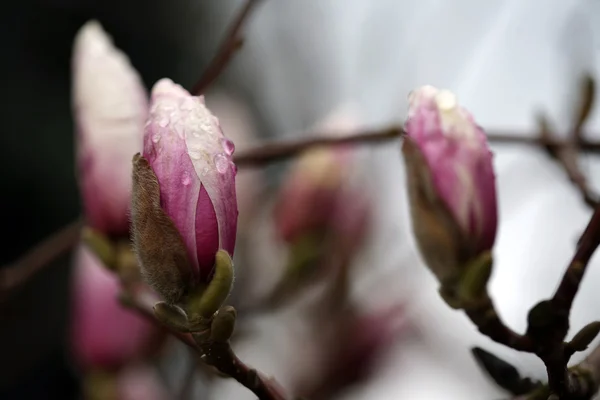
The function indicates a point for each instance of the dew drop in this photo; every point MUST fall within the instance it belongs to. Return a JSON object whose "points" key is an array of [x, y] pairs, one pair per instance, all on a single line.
{"points": [[221, 162], [187, 104], [194, 154], [205, 171], [185, 179], [163, 121], [156, 138], [206, 126], [228, 146]]}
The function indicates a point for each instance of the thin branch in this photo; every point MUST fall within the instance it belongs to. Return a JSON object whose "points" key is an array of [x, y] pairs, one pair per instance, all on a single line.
{"points": [[569, 285], [232, 42], [224, 359], [143, 304], [21, 271], [500, 137], [484, 315], [220, 354], [271, 152]]}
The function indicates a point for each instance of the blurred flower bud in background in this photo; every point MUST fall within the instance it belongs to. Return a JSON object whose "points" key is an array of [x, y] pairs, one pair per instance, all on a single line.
{"points": [[451, 182], [311, 190], [317, 188], [110, 108], [104, 334], [321, 212], [349, 348], [140, 382], [184, 202]]}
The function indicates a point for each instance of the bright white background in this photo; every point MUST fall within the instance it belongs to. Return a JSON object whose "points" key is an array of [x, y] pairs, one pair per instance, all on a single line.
{"points": [[505, 60]]}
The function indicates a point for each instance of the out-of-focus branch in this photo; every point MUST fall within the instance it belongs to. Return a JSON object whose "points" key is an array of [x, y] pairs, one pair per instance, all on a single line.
{"points": [[569, 285], [224, 359], [548, 324], [232, 42], [218, 354], [21, 271], [278, 151]]}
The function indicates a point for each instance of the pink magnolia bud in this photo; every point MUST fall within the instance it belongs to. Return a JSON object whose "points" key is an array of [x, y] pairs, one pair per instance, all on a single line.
{"points": [[308, 198], [451, 180], [110, 108], [192, 161], [103, 333]]}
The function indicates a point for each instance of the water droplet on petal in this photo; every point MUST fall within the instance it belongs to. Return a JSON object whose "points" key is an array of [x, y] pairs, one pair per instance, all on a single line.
{"points": [[228, 146], [222, 163], [187, 104], [206, 126], [185, 179], [205, 171], [194, 154], [163, 121], [156, 137]]}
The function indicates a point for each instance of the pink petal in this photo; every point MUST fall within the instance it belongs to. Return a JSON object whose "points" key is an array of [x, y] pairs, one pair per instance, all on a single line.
{"points": [[103, 333], [110, 107]]}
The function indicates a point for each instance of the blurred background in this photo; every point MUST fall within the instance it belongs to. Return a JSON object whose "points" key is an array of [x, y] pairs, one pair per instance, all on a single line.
{"points": [[304, 64]]}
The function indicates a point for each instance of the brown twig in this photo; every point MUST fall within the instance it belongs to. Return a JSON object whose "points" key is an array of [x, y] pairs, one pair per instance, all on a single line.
{"points": [[230, 45], [548, 324], [500, 137], [220, 354], [569, 285], [21, 271], [567, 154], [271, 152], [488, 322], [224, 359], [140, 302]]}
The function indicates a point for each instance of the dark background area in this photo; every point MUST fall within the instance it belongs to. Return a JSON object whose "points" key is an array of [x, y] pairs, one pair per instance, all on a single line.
{"points": [[39, 195]]}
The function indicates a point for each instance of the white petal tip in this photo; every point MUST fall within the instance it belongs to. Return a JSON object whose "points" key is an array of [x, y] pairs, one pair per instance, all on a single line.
{"points": [[92, 39], [446, 100], [166, 86]]}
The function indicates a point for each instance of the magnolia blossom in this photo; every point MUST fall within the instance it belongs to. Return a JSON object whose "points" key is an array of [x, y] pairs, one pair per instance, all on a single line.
{"points": [[192, 161], [110, 108], [308, 197], [103, 333], [451, 179], [316, 187]]}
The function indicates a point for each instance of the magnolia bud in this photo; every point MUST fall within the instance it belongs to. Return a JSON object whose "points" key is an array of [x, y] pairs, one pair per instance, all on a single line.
{"points": [[309, 195], [104, 334], [110, 108], [451, 183], [311, 192], [184, 200]]}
